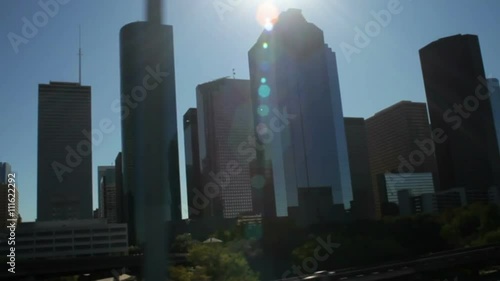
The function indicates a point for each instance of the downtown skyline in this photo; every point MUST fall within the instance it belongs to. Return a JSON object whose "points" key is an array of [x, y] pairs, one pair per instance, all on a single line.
{"points": [[384, 92]]}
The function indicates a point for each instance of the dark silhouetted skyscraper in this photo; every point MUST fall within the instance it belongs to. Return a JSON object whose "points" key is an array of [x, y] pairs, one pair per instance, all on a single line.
{"points": [[193, 171], [494, 88], [467, 153], [149, 136], [399, 141], [298, 111], [359, 163], [225, 122], [5, 170], [64, 152]]}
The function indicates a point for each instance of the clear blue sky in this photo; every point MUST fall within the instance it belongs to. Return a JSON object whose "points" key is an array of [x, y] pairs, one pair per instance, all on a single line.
{"points": [[208, 46]]}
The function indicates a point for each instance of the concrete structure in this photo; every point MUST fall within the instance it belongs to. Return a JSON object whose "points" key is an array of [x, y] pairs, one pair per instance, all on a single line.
{"points": [[75, 238], [64, 183], [225, 121], [298, 112], [399, 141], [467, 151], [359, 164]]}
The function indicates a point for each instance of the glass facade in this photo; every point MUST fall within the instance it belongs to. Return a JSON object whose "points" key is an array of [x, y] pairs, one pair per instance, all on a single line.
{"points": [[416, 183], [149, 132], [298, 111], [453, 73], [225, 123]]}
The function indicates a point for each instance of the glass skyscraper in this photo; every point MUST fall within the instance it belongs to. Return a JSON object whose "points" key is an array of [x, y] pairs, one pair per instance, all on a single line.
{"points": [[298, 111], [64, 152], [149, 137], [225, 122], [460, 108]]}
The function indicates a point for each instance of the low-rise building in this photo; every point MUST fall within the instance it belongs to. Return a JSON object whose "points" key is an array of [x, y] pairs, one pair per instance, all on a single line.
{"points": [[75, 238]]}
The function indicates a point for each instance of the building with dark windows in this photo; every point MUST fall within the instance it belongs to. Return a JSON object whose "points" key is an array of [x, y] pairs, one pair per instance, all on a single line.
{"points": [[101, 171], [316, 207], [149, 136], [457, 93], [110, 196], [75, 238], [225, 123], [5, 170], [399, 141], [123, 217], [363, 206], [451, 198], [64, 152], [193, 170], [293, 79]]}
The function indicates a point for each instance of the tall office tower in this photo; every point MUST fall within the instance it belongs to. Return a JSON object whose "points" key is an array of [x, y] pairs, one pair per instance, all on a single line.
{"points": [[467, 151], [123, 215], [494, 89], [298, 111], [64, 152], [399, 141], [9, 205], [225, 121], [110, 204], [5, 170], [361, 178], [193, 171], [101, 171], [149, 135]]}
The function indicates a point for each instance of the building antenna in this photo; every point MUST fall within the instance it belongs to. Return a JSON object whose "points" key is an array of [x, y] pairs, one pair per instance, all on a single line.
{"points": [[80, 54]]}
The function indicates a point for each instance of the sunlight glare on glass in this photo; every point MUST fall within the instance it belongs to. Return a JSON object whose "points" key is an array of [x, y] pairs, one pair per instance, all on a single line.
{"points": [[266, 12], [269, 25], [264, 91]]}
